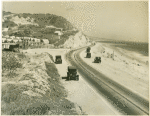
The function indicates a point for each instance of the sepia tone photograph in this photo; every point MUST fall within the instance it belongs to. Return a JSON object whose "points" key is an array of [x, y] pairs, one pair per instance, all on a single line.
{"points": [[75, 57]]}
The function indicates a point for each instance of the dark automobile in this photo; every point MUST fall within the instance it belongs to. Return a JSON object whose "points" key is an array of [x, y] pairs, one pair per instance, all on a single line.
{"points": [[97, 60], [88, 49], [58, 59], [72, 73], [88, 55]]}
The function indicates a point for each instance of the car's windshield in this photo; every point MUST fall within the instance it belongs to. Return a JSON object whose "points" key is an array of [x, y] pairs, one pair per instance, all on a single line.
{"points": [[58, 56]]}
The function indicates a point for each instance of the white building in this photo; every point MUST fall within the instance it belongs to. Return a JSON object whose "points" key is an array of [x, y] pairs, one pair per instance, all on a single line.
{"points": [[20, 40], [3, 39], [12, 37], [15, 40], [46, 41], [50, 26], [26, 38], [9, 40], [18, 37], [5, 29], [59, 29], [58, 33], [32, 39], [6, 36], [37, 40]]}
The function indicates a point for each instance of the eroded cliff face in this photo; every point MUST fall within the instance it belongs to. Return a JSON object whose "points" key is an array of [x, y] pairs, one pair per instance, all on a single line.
{"points": [[78, 40]]}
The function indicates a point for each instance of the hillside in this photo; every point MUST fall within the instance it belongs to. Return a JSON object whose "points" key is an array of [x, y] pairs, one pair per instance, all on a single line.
{"points": [[42, 26], [41, 20], [78, 40], [31, 85]]}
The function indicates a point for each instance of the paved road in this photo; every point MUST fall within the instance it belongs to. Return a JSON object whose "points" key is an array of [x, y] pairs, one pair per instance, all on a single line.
{"points": [[124, 100]]}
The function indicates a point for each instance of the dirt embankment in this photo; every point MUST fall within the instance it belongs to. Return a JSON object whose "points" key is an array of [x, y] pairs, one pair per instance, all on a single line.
{"points": [[33, 87], [78, 40]]}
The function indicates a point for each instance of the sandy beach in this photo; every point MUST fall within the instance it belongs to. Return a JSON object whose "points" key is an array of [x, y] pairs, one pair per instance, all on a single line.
{"points": [[123, 68]]}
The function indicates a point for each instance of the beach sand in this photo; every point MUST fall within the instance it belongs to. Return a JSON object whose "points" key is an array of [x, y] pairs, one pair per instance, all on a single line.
{"points": [[128, 68]]}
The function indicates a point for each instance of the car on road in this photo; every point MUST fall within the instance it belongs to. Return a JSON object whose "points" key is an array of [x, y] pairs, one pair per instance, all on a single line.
{"points": [[88, 55], [88, 49], [58, 59], [72, 73], [97, 60]]}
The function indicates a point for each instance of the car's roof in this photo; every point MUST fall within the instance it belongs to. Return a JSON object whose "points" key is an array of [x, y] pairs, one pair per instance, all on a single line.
{"points": [[71, 67], [58, 55]]}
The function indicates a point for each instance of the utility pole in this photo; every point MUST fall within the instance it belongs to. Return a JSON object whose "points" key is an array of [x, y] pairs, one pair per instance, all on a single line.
{"points": [[113, 55]]}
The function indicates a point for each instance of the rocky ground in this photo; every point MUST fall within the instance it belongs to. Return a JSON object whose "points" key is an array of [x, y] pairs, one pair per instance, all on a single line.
{"points": [[131, 73]]}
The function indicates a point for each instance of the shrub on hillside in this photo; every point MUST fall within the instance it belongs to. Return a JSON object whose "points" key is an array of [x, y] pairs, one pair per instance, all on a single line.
{"points": [[10, 62]]}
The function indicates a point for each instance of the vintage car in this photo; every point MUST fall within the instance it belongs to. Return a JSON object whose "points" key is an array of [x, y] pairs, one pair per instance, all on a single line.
{"points": [[88, 55], [72, 73], [58, 59], [97, 60], [88, 49]]}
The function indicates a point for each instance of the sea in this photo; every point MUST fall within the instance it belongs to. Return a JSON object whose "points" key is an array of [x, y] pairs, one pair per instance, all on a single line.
{"points": [[141, 48], [135, 50]]}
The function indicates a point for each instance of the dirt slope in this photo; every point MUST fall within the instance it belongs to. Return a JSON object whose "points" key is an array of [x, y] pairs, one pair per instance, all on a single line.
{"points": [[76, 41], [34, 88]]}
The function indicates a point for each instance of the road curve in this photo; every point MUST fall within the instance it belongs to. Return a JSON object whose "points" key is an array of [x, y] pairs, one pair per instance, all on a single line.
{"points": [[126, 102]]}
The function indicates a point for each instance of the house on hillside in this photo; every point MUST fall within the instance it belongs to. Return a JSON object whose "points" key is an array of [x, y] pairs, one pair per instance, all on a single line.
{"points": [[12, 37], [5, 29], [50, 26], [32, 39], [59, 29], [45, 41], [3, 40], [15, 40], [59, 33], [6, 36], [26, 38], [18, 38], [37, 40], [9, 40]]}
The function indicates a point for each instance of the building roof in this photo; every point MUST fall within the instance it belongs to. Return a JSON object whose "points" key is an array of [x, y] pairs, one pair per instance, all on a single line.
{"points": [[58, 32], [50, 26], [12, 36], [26, 37]]}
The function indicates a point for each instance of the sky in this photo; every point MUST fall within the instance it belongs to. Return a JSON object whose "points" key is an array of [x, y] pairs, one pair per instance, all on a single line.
{"points": [[118, 20]]}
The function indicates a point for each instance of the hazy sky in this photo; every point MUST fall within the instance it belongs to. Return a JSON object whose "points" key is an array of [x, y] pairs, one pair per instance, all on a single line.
{"points": [[119, 20]]}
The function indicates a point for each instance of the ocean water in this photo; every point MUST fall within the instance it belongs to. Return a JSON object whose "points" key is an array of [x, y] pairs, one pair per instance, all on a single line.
{"points": [[141, 48]]}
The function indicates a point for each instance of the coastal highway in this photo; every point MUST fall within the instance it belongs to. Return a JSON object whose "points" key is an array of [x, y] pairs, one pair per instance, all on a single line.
{"points": [[124, 100]]}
